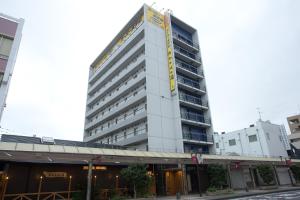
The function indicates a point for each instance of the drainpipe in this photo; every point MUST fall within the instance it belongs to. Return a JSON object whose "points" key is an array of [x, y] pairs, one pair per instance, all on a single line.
{"points": [[241, 143], [276, 176]]}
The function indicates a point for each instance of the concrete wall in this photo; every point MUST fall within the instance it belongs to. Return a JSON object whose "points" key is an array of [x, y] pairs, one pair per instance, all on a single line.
{"points": [[269, 141], [163, 116]]}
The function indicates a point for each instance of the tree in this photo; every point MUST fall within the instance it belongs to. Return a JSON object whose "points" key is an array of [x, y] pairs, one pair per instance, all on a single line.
{"points": [[266, 173], [217, 176], [137, 177], [296, 172]]}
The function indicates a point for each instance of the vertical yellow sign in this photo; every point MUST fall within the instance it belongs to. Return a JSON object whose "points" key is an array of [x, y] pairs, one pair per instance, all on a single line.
{"points": [[170, 52]]}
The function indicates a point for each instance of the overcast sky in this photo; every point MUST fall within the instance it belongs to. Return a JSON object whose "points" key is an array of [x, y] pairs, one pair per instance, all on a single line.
{"points": [[250, 50]]}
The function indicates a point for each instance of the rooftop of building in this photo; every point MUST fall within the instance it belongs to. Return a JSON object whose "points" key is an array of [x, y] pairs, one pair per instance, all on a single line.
{"points": [[293, 117], [250, 126], [52, 141]]}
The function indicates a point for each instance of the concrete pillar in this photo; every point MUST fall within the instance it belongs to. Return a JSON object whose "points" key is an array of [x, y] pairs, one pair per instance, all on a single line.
{"points": [[89, 181], [275, 175], [228, 176], [291, 176], [184, 179], [252, 177]]}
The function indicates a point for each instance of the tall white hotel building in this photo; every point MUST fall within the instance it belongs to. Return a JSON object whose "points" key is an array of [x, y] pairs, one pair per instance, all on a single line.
{"points": [[147, 90]]}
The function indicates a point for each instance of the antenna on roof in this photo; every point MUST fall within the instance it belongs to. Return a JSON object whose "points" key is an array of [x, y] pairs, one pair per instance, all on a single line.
{"points": [[259, 113]]}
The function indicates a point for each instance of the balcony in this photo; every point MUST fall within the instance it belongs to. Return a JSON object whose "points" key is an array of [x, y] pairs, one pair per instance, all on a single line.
{"points": [[196, 72], [189, 99], [194, 118], [196, 136], [186, 55], [190, 85], [188, 82], [181, 38]]}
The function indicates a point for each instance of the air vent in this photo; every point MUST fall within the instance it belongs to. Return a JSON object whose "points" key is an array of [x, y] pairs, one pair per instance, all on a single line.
{"points": [[47, 140]]}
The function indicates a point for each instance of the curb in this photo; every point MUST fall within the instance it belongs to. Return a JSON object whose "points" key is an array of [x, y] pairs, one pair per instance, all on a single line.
{"points": [[255, 193]]}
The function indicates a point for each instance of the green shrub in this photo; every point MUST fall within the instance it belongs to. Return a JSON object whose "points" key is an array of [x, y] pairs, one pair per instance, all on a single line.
{"points": [[211, 189], [296, 172], [217, 176], [266, 173], [136, 176]]}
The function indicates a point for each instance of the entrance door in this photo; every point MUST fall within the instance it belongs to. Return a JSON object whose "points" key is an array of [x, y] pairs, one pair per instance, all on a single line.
{"points": [[174, 182]]}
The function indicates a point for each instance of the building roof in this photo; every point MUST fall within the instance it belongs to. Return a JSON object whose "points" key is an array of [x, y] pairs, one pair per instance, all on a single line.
{"points": [[44, 153], [38, 140]]}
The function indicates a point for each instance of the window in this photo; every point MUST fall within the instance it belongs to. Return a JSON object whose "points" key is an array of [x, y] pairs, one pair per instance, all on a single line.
{"points": [[5, 46], [232, 142], [116, 138], [125, 135], [280, 138], [217, 145], [135, 131], [252, 138]]}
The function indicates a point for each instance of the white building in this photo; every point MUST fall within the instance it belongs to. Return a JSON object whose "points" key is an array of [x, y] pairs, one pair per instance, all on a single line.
{"points": [[147, 88], [10, 38], [263, 140]]}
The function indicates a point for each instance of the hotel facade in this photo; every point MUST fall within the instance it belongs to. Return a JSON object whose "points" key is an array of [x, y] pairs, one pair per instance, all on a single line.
{"points": [[147, 89], [10, 38]]}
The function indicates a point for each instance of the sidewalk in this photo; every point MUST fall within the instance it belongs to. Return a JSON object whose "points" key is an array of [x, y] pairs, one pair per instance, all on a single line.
{"points": [[236, 194]]}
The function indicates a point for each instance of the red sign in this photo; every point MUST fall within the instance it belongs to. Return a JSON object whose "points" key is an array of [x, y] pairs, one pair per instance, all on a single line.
{"points": [[194, 159], [288, 162]]}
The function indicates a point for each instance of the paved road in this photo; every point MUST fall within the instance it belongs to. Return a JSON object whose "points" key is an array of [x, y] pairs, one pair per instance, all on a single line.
{"points": [[281, 195]]}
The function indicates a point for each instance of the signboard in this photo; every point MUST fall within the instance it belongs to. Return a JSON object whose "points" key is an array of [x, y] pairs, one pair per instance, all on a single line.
{"points": [[55, 174], [170, 54], [197, 158], [121, 41], [155, 18]]}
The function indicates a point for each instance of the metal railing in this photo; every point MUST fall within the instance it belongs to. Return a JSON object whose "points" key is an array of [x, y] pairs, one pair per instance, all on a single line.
{"points": [[61, 195], [186, 52], [188, 67], [197, 136], [194, 117], [188, 81], [185, 40], [192, 99]]}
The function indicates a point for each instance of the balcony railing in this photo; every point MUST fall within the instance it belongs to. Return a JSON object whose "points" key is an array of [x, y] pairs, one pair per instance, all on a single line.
{"points": [[185, 40], [197, 136], [188, 81], [186, 52], [188, 67], [194, 117], [191, 99]]}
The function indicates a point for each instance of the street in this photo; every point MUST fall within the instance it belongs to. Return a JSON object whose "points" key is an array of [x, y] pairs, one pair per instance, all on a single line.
{"points": [[280, 195]]}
